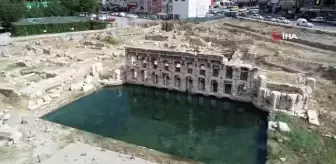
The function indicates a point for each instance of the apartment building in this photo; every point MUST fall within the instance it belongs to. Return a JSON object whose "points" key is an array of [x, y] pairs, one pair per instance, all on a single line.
{"points": [[181, 9]]}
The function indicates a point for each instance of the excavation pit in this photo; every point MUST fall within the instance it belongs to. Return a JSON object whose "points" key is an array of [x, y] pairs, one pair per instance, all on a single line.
{"points": [[204, 129]]}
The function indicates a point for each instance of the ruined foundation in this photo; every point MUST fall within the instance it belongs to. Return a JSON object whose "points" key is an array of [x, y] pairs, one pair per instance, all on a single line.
{"points": [[212, 75]]}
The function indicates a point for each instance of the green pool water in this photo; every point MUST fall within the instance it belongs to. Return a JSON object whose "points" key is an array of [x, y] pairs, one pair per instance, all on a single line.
{"points": [[194, 127]]}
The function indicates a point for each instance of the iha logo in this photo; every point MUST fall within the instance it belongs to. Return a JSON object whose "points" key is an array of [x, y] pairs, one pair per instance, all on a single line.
{"points": [[278, 35]]}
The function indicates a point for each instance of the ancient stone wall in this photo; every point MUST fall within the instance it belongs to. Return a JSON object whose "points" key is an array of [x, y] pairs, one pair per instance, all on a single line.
{"points": [[211, 75]]}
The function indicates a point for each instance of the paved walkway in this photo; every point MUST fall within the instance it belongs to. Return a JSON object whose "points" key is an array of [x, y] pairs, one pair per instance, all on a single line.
{"points": [[78, 153]]}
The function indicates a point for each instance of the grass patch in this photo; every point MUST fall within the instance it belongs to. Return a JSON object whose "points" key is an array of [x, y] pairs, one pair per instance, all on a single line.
{"points": [[302, 140], [300, 145], [7, 153]]}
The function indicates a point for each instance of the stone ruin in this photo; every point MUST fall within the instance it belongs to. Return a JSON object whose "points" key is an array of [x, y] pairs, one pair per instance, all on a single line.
{"points": [[212, 75]]}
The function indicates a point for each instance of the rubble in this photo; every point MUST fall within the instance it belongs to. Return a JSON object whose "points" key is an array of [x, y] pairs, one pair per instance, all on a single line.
{"points": [[32, 105], [9, 135]]}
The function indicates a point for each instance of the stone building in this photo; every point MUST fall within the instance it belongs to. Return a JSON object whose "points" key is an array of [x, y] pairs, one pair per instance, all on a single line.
{"points": [[211, 75]]}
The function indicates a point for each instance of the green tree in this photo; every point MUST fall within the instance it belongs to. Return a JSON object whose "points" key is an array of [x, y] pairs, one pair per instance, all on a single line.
{"points": [[35, 12], [55, 9], [71, 5], [11, 11], [91, 6], [75, 6]]}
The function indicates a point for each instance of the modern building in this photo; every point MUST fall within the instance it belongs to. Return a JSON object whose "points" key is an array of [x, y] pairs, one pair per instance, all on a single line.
{"points": [[180, 8]]}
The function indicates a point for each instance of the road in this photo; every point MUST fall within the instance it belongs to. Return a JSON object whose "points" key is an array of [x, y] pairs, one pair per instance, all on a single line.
{"points": [[318, 26], [123, 22]]}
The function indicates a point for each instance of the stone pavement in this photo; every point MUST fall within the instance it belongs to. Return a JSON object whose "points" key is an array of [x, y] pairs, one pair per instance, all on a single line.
{"points": [[79, 153]]}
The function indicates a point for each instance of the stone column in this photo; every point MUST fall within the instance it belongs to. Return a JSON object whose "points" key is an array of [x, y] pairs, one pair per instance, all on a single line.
{"points": [[234, 87], [305, 101], [291, 101], [261, 93], [183, 83], [274, 98], [236, 73], [207, 85], [283, 101], [220, 87], [160, 80]]}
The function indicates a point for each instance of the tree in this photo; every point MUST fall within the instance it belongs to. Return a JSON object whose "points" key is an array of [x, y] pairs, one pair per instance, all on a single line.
{"points": [[11, 11], [75, 6], [35, 12], [55, 9], [71, 5], [90, 6]]}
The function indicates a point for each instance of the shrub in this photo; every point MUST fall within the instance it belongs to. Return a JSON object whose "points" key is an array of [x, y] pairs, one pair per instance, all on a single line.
{"points": [[35, 29]]}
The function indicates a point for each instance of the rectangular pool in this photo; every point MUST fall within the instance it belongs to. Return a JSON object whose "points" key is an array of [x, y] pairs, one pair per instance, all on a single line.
{"points": [[205, 129]]}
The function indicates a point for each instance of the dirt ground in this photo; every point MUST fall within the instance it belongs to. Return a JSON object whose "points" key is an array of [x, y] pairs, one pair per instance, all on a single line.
{"points": [[27, 67]]}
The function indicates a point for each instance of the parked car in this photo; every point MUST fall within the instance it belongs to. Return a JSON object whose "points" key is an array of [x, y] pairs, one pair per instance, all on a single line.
{"points": [[102, 16], [282, 20], [132, 16], [257, 16], [110, 19], [317, 19], [304, 23], [270, 18]]}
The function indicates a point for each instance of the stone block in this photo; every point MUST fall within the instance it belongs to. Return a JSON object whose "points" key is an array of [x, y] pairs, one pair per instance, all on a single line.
{"points": [[76, 86], [311, 82], [46, 50], [97, 70], [283, 127], [47, 98], [88, 79], [87, 87], [313, 117]]}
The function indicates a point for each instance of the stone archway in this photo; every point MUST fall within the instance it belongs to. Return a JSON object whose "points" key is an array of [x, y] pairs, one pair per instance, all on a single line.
{"points": [[202, 69], [177, 81], [201, 84], [154, 63], [166, 65], [214, 86], [189, 83], [134, 74], [177, 66], [155, 78], [166, 79]]}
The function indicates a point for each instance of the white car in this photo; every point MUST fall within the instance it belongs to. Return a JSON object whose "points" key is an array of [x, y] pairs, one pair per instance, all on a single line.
{"points": [[318, 19], [304, 23], [282, 20], [269, 18], [132, 16], [257, 16], [102, 17]]}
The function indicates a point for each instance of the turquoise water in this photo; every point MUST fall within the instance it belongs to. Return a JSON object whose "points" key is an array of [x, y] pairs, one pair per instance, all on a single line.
{"points": [[200, 128]]}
